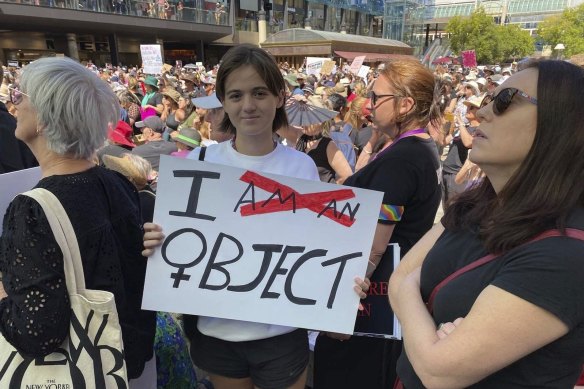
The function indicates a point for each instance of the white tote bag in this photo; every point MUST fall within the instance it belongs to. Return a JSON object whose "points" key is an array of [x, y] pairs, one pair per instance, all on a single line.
{"points": [[92, 355]]}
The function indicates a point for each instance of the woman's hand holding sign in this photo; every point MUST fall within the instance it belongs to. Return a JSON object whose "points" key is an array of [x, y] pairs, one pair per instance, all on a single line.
{"points": [[153, 238]]}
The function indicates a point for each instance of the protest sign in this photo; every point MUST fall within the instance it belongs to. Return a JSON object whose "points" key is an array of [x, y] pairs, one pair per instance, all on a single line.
{"points": [[356, 64], [314, 65], [259, 247], [469, 59], [328, 67], [377, 319], [14, 183], [151, 58], [363, 71]]}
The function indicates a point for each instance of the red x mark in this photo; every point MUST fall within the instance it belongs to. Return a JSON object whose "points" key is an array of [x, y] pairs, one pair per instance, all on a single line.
{"points": [[316, 202]]}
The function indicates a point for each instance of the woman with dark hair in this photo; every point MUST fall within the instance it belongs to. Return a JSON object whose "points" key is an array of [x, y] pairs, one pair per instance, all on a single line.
{"points": [[403, 103], [516, 320], [241, 354]]}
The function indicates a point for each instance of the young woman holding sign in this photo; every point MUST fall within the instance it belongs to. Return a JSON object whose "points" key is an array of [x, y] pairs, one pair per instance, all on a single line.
{"points": [[403, 103], [241, 354]]}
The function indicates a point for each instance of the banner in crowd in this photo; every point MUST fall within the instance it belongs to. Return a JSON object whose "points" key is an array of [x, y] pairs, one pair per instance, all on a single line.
{"points": [[356, 64], [14, 183], [469, 59], [314, 65], [151, 58], [377, 319], [259, 247]]}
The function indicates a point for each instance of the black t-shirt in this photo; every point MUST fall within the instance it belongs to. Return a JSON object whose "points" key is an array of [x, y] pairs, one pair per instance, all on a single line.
{"points": [[408, 174], [548, 273], [456, 157], [155, 100]]}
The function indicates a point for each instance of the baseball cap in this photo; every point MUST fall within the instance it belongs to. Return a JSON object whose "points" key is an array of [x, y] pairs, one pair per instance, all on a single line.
{"points": [[152, 122]]}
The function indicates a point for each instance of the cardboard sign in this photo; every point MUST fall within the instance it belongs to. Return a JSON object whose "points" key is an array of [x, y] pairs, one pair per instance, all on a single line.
{"points": [[469, 59], [259, 247], [314, 65], [327, 67], [377, 319], [151, 59], [15, 183], [363, 72], [356, 64]]}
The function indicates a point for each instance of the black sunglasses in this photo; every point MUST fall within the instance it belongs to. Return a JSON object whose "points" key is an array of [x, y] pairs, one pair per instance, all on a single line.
{"points": [[375, 97], [503, 99]]}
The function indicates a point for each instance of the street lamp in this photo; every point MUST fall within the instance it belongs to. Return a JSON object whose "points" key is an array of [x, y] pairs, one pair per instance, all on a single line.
{"points": [[560, 49]]}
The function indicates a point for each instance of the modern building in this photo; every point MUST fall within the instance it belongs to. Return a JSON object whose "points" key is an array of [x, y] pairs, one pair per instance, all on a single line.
{"points": [[418, 22], [110, 31]]}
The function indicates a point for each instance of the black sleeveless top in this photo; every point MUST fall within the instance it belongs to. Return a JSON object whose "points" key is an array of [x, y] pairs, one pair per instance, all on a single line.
{"points": [[318, 154]]}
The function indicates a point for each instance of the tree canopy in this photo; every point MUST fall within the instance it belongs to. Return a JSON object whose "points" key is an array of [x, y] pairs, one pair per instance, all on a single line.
{"points": [[566, 28], [491, 42]]}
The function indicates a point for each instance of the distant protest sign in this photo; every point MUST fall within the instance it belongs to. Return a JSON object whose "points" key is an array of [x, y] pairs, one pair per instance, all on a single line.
{"points": [[363, 71], [314, 65], [151, 58], [259, 247], [356, 64], [469, 59], [328, 67]]}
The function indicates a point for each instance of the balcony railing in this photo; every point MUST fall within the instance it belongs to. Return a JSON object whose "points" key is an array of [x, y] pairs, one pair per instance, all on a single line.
{"points": [[159, 9]]}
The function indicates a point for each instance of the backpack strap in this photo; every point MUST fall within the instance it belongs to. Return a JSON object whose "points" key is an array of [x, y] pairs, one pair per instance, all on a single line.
{"points": [[569, 232], [202, 153]]}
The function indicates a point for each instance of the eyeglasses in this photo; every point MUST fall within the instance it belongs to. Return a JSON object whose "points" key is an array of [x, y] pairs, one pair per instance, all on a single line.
{"points": [[16, 95], [375, 97], [503, 99]]}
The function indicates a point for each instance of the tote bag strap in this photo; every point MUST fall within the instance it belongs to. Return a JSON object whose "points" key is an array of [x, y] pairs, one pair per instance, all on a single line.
{"points": [[65, 237], [569, 232]]}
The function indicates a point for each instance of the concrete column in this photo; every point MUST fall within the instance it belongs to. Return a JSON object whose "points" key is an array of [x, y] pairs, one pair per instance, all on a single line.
{"points": [[371, 23], [262, 26], [113, 46], [72, 46], [2, 58], [307, 24], [343, 28], [160, 42]]}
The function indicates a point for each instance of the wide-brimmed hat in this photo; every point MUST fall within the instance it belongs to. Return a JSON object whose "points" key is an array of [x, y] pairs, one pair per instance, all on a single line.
{"points": [[207, 102], [124, 166], [208, 80], [481, 81], [340, 89], [319, 90], [190, 77], [189, 137], [152, 81], [496, 79], [152, 122], [172, 94], [473, 85], [292, 79], [474, 101], [122, 134]]}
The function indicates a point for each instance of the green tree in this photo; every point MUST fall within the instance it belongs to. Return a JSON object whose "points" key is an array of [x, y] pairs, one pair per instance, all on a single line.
{"points": [[566, 28], [492, 43], [513, 42]]}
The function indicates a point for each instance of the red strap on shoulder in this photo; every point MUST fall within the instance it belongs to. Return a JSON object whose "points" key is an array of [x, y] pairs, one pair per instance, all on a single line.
{"points": [[570, 233]]}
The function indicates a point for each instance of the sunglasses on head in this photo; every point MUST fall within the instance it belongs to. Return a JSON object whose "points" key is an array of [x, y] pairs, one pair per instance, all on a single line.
{"points": [[16, 95], [502, 100]]}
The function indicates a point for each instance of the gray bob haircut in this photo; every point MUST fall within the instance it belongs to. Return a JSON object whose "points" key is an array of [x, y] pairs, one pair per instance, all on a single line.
{"points": [[73, 105]]}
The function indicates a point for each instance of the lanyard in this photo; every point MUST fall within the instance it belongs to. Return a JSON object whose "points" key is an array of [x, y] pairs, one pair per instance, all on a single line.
{"points": [[400, 137]]}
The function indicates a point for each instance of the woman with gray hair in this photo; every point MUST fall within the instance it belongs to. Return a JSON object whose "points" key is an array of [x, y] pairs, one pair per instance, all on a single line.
{"points": [[64, 112]]}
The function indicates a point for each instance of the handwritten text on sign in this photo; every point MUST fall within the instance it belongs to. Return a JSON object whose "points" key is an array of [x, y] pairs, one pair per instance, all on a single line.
{"points": [[151, 58], [245, 245]]}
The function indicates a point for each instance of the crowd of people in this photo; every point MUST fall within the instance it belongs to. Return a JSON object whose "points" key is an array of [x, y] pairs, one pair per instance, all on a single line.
{"points": [[489, 297]]}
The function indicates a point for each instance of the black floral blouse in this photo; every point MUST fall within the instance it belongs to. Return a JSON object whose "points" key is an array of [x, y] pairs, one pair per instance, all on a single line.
{"points": [[105, 213]]}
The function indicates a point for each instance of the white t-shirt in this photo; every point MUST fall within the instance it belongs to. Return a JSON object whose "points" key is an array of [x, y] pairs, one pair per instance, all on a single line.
{"points": [[284, 161]]}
